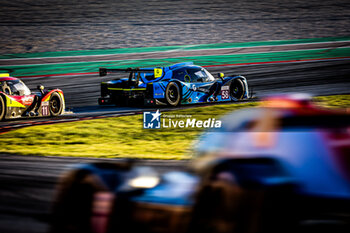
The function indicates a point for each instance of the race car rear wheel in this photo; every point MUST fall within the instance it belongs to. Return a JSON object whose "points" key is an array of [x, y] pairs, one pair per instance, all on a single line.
{"points": [[2, 108], [173, 94], [56, 104], [237, 89]]}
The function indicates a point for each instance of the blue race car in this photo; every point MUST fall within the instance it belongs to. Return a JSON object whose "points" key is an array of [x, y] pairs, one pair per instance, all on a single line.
{"points": [[281, 167], [182, 83]]}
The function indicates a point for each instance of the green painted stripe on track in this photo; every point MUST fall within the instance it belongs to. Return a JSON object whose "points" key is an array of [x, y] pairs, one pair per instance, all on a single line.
{"points": [[84, 67], [169, 48]]}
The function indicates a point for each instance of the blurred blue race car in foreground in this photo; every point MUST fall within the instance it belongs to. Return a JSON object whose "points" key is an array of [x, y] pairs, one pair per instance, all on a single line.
{"points": [[281, 167], [182, 83]]}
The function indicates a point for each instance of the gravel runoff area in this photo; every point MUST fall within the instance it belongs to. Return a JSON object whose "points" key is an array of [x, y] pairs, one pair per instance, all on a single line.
{"points": [[61, 25]]}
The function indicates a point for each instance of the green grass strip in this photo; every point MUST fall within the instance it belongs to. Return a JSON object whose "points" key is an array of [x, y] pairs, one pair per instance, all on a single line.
{"points": [[83, 67], [169, 48], [122, 137]]}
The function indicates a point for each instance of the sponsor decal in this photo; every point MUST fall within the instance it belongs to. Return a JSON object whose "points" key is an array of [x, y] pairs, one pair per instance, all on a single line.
{"points": [[200, 89], [27, 100], [158, 72], [152, 120], [203, 90]]}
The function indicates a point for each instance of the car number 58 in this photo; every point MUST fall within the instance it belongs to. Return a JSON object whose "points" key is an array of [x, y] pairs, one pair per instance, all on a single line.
{"points": [[225, 94]]}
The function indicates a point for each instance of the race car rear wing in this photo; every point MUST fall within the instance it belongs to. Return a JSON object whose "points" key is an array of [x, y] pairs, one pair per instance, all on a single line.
{"points": [[105, 71], [158, 71]]}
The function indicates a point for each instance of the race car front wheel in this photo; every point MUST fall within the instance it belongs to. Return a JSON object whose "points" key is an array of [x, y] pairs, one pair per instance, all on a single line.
{"points": [[237, 89], [56, 104], [2, 108], [173, 94]]}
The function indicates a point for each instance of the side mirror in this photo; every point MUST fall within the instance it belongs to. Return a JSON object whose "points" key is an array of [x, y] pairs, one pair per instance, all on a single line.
{"points": [[221, 75], [40, 88]]}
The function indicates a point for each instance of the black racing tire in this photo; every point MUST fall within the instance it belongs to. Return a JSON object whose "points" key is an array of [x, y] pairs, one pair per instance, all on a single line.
{"points": [[2, 108], [237, 89], [173, 94], [55, 104]]}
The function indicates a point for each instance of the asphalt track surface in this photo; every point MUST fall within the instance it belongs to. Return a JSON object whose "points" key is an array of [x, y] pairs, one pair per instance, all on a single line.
{"points": [[27, 188], [61, 25], [326, 77], [27, 183], [173, 54]]}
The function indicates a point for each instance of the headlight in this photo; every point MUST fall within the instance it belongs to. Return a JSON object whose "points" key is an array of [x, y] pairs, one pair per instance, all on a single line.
{"points": [[144, 182]]}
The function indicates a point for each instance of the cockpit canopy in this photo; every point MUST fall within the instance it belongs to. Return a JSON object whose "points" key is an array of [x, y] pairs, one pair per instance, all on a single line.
{"points": [[14, 87], [192, 74]]}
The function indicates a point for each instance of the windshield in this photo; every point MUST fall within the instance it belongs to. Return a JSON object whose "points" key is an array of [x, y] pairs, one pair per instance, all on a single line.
{"points": [[148, 76], [17, 87], [200, 75], [209, 77]]}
